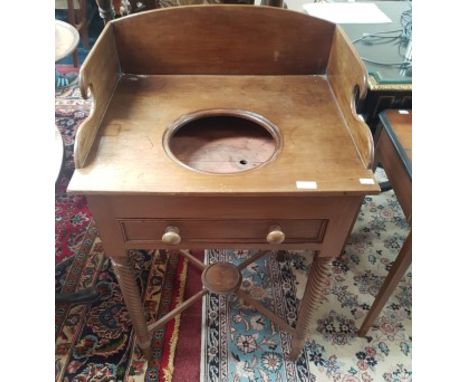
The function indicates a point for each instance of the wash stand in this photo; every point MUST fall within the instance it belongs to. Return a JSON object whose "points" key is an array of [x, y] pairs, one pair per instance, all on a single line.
{"points": [[223, 126]]}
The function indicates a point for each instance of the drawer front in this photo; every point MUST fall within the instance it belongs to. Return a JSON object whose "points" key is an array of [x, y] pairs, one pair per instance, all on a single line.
{"points": [[224, 231]]}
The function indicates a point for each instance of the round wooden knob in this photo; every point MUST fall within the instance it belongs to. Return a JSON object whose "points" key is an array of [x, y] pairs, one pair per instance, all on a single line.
{"points": [[276, 235], [171, 236]]}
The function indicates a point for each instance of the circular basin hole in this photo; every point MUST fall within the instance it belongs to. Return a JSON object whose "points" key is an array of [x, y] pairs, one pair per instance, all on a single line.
{"points": [[222, 143]]}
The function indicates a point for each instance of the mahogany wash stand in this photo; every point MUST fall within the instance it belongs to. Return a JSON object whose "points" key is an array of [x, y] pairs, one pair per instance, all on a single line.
{"points": [[223, 126]]}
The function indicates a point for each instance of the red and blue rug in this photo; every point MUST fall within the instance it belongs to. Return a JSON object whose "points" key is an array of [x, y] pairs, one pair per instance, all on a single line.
{"points": [[95, 342], [239, 344]]}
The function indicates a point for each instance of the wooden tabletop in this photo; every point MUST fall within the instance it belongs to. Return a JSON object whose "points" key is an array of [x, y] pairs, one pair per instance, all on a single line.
{"points": [[316, 145], [401, 121], [398, 125], [67, 39]]}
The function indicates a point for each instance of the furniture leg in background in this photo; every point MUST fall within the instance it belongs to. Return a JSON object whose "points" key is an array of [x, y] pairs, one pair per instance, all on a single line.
{"points": [[78, 18], [393, 151], [106, 10], [109, 9], [273, 3]]}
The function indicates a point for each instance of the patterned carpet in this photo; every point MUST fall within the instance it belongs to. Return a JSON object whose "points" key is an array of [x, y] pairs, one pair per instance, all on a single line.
{"points": [[239, 344], [72, 217], [95, 342]]}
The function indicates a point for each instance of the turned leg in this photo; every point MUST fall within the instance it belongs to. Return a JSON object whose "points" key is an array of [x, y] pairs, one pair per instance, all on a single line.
{"points": [[106, 10], [397, 271], [316, 281], [114, 247], [126, 277], [76, 60]]}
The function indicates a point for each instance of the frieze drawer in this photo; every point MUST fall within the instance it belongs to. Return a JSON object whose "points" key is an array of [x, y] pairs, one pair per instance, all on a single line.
{"points": [[221, 231]]}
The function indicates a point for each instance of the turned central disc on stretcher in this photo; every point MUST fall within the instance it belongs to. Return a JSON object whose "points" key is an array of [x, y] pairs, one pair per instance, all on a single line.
{"points": [[222, 278], [223, 142]]}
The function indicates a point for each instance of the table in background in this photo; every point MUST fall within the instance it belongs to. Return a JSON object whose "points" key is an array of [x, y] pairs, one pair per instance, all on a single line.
{"points": [[67, 39], [394, 151], [388, 87]]}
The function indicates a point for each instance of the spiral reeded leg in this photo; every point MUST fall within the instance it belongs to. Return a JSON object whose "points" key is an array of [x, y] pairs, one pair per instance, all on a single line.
{"points": [[312, 295], [126, 278]]}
